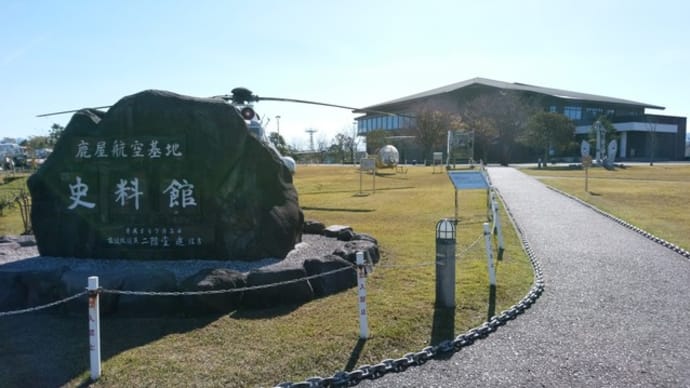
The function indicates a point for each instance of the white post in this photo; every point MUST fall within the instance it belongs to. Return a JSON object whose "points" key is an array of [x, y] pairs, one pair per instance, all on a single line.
{"points": [[497, 225], [94, 328], [492, 271], [361, 278], [489, 256]]}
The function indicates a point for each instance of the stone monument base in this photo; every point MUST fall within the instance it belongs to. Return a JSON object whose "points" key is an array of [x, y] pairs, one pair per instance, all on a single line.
{"points": [[35, 281]]}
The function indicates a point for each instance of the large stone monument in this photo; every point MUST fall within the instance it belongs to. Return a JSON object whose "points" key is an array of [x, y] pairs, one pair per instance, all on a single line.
{"points": [[164, 176]]}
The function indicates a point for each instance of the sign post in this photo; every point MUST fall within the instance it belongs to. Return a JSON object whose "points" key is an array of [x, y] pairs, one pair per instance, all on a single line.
{"points": [[586, 161], [586, 164], [368, 165], [469, 180], [437, 161]]}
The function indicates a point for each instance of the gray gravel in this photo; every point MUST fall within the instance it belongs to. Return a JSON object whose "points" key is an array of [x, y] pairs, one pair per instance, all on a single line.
{"points": [[16, 256], [615, 311]]}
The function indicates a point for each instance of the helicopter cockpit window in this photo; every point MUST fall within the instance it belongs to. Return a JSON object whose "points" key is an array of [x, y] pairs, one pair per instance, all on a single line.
{"points": [[255, 129]]}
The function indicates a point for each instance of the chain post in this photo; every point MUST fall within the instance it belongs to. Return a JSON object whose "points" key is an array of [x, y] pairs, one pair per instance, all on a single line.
{"points": [[489, 255], [492, 270], [497, 225], [94, 328], [362, 291]]}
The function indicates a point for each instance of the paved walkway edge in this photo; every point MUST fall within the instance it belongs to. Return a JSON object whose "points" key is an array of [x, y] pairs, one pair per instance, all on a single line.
{"points": [[626, 224]]}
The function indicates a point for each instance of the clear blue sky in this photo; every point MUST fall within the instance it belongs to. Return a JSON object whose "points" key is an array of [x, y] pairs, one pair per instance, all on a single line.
{"points": [[59, 55]]}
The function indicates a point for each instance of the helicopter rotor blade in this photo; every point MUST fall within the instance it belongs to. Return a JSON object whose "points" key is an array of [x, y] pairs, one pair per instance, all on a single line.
{"points": [[249, 97], [326, 104], [71, 111]]}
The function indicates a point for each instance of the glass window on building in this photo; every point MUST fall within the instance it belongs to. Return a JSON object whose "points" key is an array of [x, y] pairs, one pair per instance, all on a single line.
{"points": [[627, 112], [573, 112], [593, 113], [552, 109]]}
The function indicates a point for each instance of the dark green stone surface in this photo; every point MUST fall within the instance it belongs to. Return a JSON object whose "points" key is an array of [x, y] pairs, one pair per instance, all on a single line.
{"points": [[164, 176]]}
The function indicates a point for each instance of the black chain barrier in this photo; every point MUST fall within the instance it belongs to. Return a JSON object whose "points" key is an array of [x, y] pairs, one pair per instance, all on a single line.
{"points": [[626, 224], [45, 306], [371, 372]]}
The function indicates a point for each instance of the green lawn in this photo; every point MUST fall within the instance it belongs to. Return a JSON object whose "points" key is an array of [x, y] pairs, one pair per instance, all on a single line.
{"points": [[263, 348], [654, 198], [10, 186]]}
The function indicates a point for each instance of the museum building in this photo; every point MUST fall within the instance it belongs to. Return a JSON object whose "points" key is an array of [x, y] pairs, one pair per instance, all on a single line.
{"points": [[640, 135]]}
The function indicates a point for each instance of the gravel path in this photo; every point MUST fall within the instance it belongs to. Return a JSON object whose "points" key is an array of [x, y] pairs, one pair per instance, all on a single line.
{"points": [[615, 311]]}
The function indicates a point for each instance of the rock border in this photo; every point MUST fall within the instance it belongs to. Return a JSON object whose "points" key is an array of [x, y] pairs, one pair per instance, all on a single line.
{"points": [[27, 288]]}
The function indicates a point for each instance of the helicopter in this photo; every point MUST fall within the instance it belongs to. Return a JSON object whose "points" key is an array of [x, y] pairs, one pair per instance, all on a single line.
{"points": [[242, 100]]}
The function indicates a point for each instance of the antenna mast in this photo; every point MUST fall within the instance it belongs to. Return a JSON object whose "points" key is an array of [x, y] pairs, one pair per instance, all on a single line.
{"points": [[311, 138]]}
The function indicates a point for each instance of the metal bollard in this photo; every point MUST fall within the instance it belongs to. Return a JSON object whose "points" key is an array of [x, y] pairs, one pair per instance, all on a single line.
{"points": [[445, 263]]}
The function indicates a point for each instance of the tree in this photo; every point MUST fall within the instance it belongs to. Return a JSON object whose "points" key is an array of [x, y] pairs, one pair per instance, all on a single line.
{"points": [[376, 139], [279, 142], [37, 142], [345, 147], [339, 146], [432, 126], [548, 130], [498, 119], [55, 132]]}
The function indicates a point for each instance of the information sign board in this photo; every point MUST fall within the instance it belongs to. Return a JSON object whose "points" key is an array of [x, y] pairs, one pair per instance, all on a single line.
{"points": [[468, 180], [367, 164]]}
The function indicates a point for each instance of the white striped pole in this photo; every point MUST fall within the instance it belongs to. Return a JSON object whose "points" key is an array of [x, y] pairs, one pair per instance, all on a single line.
{"points": [[489, 256], [497, 225], [492, 271], [361, 283], [94, 328]]}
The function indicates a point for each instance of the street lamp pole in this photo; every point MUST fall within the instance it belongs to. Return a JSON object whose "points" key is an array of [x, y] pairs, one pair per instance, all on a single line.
{"points": [[278, 123], [353, 149]]}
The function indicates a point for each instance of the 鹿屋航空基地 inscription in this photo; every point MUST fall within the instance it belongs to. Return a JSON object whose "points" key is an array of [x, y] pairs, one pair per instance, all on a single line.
{"points": [[87, 149], [164, 176]]}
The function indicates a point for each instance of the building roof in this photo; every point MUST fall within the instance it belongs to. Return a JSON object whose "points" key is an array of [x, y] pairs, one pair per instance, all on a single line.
{"points": [[557, 93]]}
